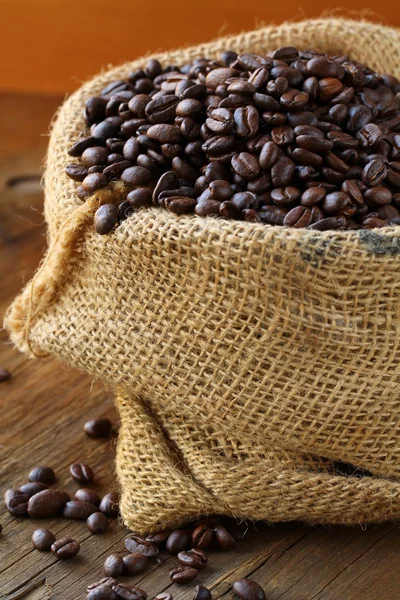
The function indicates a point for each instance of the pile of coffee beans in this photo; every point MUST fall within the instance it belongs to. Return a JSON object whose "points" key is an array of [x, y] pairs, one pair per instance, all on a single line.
{"points": [[294, 138], [36, 500]]}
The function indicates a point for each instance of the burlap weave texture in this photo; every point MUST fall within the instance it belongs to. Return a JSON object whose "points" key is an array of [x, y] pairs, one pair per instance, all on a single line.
{"points": [[247, 358]]}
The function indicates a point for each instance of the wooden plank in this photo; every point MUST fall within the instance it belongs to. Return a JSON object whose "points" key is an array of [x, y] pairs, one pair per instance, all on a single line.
{"points": [[43, 409]]}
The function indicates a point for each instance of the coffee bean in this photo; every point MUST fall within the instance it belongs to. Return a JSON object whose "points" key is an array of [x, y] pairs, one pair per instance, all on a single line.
{"points": [[223, 538], [138, 545], [202, 537], [86, 495], [81, 473], [329, 223], [78, 510], [136, 175], [106, 582], [16, 503], [65, 548], [46, 504], [42, 474], [98, 428], [94, 182], [129, 592], [201, 593], [247, 589], [76, 172], [312, 196], [43, 539], [285, 196], [182, 575], [282, 172], [246, 165], [195, 558], [97, 523], [374, 173], [113, 565], [105, 218], [378, 196], [32, 488], [180, 205], [80, 146], [134, 564], [109, 504], [179, 540], [102, 593]]}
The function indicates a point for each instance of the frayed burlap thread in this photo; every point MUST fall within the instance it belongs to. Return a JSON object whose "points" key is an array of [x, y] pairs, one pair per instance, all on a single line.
{"points": [[247, 358]]}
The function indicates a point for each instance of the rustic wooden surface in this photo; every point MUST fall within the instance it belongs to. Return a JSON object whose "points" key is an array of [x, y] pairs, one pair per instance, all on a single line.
{"points": [[43, 409]]}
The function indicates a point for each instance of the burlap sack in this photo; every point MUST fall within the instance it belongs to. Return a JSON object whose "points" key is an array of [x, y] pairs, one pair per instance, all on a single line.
{"points": [[247, 358]]}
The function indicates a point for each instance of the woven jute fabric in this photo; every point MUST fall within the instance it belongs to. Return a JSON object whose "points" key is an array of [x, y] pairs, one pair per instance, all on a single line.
{"points": [[246, 358]]}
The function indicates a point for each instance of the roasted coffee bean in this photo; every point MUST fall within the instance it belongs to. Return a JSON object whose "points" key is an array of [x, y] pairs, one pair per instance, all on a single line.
{"points": [[43, 475], [102, 593], [282, 135], [374, 173], [285, 196], [269, 155], [178, 540], [134, 564], [329, 223], [16, 502], [86, 495], [298, 217], [247, 589], [109, 504], [76, 172], [378, 196], [103, 583], [201, 593], [43, 539], [314, 143], [246, 121], [282, 172], [140, 197], [97, 523], [94, 181], [65, 548], [335, 202], [136, 175], [81, 473], [32, 488], [113, 565], [129, 592], [182, 575], [80, 146], [246, 165], [223, 538], [96, 155], [98, 428], [195, 558], [46, 504], [105, 218], [158, 538], [312, 196], [78, 510], [114, 170], [220, 190], [138, 545], [202, 537], [273, 215], [180, 205]]}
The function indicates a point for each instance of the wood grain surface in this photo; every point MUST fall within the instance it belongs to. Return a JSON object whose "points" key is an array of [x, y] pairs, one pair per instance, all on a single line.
{"points": [[43, 409], [53, 45]]}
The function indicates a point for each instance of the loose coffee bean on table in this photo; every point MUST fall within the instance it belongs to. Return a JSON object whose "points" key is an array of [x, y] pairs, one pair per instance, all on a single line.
{"points": [[178, 541], [113, 565], [247, 589], [297, 121], [32, 488], [47, 503], [81, 473], [109, 504], [129, 592], [195, 558], [16, 502], [43, 539], [138, 545], [43, 475], [201, 593], [65, 548], [134, 564], [86, 495], [79, 510], [182, 575], [98, 428], [97, 523]]}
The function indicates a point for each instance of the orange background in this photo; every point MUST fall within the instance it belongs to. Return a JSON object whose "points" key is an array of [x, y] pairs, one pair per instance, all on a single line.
{"points": [[52, 45]]}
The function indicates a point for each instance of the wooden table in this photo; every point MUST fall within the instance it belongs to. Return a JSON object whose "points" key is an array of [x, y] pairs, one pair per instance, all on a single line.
{"points": [[44, 407]]}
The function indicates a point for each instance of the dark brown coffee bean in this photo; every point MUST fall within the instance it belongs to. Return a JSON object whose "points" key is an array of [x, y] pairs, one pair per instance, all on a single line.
{"points": [[285, 196], [329, 223], [247, 589], [98, 428], [298, 217], [43, 539], [335, 163], [182, 575], [140, 197], [94, 182], [294, 100], [223, 538], [134, 564], [220, 190], [97, 523], [138, 545], [78, 510], [282, 135], [76, 172], [201, 593], [314, 143], [250, 215], [179, 540], [352, 189], [129, 592], [96, 155], [102, 593], [294, 77], [103, 583], [269, 155], [266, 103], [189, 107], [42, 474], [164, 134], [32, 488], [273, 215], [220, 121], [202, 537], [46, 504], [195, 558], [110, 504], [312, 196], [369, 135], [335, 202], [217, 77], [158, 538], [218, 145], [246, 165], [81, 473], [282, 172], [136, 175], [105, 218], [80, 146], [95, 110], [342, 140], [320, 66], [180, 205], [389, 213], [305, 157], [86, 495], [373, 222], [378, 196], [246, 121], [65, 548], [113, 565], [374, 173], [16, 503]]}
